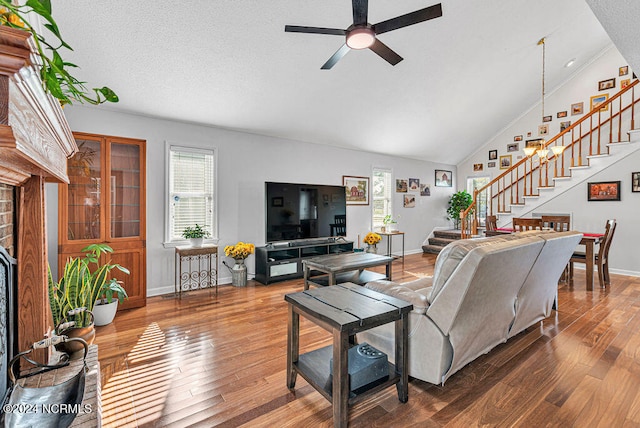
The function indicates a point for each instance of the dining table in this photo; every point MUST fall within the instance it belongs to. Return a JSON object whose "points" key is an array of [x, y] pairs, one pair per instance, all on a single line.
{"points": [[589, 240]]}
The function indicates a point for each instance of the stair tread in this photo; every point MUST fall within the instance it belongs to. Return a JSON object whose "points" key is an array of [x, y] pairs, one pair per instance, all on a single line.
{"points": [[432, 249]]}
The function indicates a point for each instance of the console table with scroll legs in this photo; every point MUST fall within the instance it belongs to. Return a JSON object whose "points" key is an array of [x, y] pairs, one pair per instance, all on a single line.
{"points": [[196, 268]]}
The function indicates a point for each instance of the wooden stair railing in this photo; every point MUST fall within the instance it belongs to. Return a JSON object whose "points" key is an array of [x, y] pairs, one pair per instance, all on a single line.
{"points": [[524, 179]]}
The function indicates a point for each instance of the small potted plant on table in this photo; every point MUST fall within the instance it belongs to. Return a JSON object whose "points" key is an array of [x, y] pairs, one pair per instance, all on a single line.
{"points": [[195, 234], [390, 225]]}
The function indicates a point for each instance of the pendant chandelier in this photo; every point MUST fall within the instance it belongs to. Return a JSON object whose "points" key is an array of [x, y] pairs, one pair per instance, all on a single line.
{"points": [[537, 146]]}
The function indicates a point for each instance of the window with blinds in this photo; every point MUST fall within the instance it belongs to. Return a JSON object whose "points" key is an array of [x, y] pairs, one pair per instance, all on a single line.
{"points": [[191, 191], [382, 192]]}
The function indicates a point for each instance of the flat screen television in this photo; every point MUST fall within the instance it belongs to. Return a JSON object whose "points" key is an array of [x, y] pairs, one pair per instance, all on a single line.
{"points": [[302, 211]]}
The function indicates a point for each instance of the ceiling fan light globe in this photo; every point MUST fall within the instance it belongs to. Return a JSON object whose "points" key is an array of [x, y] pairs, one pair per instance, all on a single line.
{"points": [[361, 38]]}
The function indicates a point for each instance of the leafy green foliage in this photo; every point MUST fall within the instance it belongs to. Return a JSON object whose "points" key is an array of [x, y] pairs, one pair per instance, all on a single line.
{"points": [[79, 287], [196, 231], [458, 202], [54, 72]]}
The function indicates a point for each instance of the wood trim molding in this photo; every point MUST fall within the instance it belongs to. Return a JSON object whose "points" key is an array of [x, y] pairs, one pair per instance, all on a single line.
{"points": [[33, 128]]}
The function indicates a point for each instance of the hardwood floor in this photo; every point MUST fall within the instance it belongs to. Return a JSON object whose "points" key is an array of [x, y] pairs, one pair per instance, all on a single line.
{"points": [[202, 361]]}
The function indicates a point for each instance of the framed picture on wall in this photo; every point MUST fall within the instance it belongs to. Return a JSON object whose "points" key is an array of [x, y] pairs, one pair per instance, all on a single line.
{"points": [[513, 147], [603, 85], [443, 178], [635, 181], [402, 185], [493, 154], [603, 191], [505, 161], [596, 100], [357, 189], [577, 108], [425, 190]]}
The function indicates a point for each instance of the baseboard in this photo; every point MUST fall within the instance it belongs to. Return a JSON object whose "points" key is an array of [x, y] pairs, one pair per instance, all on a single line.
{"points": [[581, 266]]}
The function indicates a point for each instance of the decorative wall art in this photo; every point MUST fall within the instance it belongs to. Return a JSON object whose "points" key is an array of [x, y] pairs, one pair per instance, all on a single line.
{"points": [[517, 138], [543, 129], [624, 83], [493, 154], [491, 164], [577, 108], [635, 181], [513, 147], [402, 185], [425, 190], [596, 100], [409, 200], [547, 118], [414, 184], [564, 125], [603, 191], [477, 167], [443, 178], [505, 161], [357, 189], [603, 85], [623, 71], [529, 134], [561, 114]]}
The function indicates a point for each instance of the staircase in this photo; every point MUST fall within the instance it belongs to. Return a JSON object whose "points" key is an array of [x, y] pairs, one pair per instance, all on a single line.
{"points": [[604, 136], [440, 239]]}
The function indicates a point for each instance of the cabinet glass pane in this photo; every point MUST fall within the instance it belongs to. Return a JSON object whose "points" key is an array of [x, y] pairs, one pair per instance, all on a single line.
{"points": [[125, 190], [84, 192]]}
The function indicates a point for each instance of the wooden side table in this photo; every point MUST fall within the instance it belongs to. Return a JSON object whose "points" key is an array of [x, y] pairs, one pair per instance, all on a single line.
{"points": [[344, 310], [200, 268], [389, 236]]}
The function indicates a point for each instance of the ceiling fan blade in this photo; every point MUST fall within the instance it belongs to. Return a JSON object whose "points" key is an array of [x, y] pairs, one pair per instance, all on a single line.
{"points": [[314, 30], [385, 52], [336, 57], [421, 15], [360, 11]]}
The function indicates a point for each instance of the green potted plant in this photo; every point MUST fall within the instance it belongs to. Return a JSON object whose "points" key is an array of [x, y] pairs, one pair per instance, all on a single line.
{"points": [[390, 224], [80, 287], [458, 202], [54, 71], [195, 234], [106, 306]]}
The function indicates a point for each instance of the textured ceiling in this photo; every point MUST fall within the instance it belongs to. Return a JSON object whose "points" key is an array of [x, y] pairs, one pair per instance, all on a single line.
{"points": [[229, 63]]}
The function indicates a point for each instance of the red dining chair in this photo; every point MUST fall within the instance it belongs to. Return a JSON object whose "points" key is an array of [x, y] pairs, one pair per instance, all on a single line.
{"points": [[602, 258]]}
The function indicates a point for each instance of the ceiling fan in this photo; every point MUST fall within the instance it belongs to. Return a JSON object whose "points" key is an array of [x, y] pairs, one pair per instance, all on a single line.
{"points": [[362, 35]]}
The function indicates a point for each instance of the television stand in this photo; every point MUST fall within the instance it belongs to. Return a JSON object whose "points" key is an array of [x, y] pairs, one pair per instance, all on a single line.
{"points": [[277, 262]]}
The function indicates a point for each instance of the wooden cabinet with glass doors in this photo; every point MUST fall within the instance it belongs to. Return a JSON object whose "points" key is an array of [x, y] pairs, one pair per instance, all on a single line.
{"points": [[105, 203]]}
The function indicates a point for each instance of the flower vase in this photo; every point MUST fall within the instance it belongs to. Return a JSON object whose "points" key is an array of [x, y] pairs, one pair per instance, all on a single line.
{"points": [[371, 248], [239, 273]]}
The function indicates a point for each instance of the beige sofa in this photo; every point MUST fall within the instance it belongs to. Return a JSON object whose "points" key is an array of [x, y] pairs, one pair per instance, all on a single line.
{"points": [[483, 292]]}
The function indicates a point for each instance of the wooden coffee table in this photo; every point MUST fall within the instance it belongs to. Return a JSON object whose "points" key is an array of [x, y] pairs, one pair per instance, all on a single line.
{"points": [[344, 310], [345, 267]]}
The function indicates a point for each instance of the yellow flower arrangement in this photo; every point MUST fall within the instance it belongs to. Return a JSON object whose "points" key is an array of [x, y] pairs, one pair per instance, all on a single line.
{"points": [[239, 251], [372, 238], [7, 17]]}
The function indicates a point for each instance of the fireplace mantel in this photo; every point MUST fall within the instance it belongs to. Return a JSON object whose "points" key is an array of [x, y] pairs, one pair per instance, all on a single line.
{"points": [[35, 142], [35, 138]]}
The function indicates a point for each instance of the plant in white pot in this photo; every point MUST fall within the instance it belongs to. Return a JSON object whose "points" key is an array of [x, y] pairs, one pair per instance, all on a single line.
{"points": [[106, 306], [195, 234]]}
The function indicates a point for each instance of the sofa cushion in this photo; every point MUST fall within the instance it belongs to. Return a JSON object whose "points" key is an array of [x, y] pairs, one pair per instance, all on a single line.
{"points": [[451, 256], [404, 292]]}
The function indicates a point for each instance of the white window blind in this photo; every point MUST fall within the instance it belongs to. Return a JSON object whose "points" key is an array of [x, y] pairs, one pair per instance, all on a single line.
{"points": [[382, 191], [191, 190]]}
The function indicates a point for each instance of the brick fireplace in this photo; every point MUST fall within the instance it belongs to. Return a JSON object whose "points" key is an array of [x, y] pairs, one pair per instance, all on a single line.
{"points": [[35, 142]]}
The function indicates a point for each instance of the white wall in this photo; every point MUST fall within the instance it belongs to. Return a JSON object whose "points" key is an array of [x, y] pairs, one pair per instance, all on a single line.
{"points": [[245, 162], [587, 216]]}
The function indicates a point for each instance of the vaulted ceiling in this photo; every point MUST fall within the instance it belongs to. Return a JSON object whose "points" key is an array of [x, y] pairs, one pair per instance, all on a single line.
{"points": [[229, 63]]}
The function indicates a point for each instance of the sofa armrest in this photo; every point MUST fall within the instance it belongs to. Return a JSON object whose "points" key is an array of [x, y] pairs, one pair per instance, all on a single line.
{"points": [[390, 288]]}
